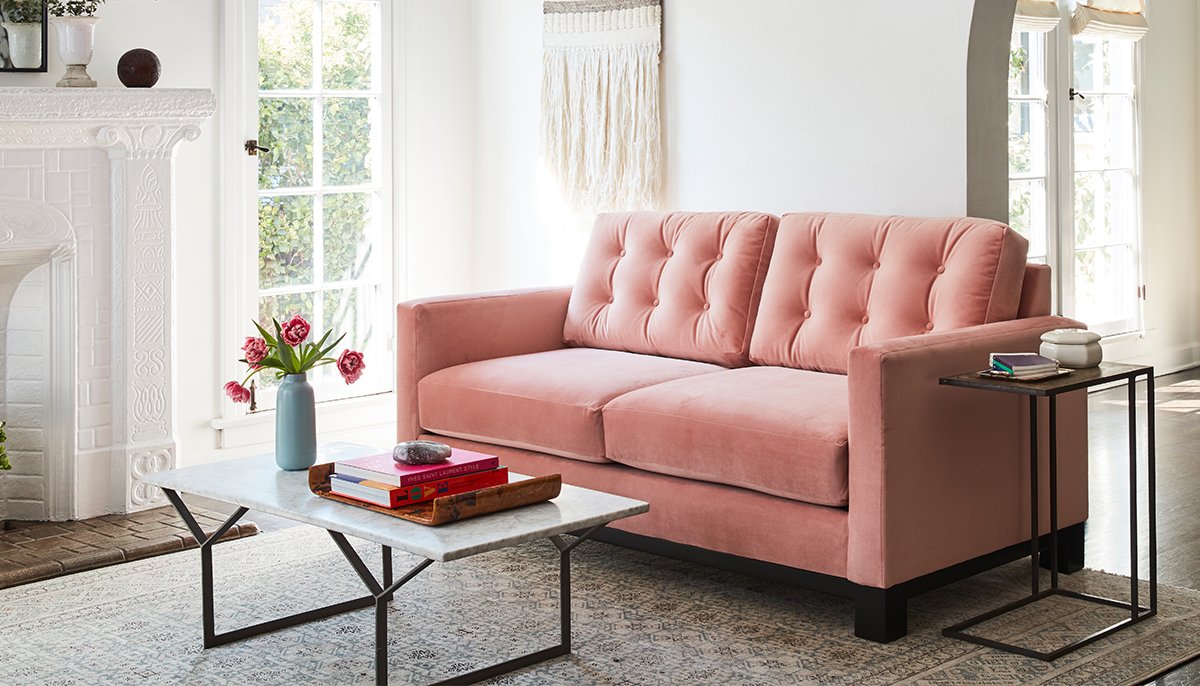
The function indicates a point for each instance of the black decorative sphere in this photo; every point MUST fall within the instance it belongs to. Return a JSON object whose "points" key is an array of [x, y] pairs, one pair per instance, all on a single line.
{"points": [[139, 68]]}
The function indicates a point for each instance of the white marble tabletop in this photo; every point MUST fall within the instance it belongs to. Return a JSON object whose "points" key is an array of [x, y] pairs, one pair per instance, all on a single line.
{"points": [[257, 483]]}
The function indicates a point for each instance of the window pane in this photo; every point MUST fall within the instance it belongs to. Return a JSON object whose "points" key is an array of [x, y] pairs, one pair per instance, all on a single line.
{"points": [[1105, 288], [285, 241], [1105, 212], [350, 226], [1024, 64], [1103, 65], [1027, 138], [280, 308], [1103, 132], [285, 125], [1027, 213], [348, 140], [349, 311], [285, 52], [348, 45]]}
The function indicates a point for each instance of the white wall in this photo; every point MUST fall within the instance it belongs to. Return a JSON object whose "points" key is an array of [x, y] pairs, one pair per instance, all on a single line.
{"points": [[1170, 181], [771, 105]]}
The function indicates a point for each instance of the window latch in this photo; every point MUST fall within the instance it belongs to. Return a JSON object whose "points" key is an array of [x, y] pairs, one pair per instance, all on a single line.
{"points": [[253, 148], [1076, 94]]}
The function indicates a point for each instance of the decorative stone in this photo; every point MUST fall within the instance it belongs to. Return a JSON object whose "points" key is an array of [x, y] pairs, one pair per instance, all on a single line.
{"points": [[420, 452], [1072, 348], [139, 68]]}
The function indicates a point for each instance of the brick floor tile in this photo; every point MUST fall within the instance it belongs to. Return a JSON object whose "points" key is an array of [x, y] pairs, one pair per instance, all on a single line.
{"points": [[154, 547], [88, 537], [44, 543], [92, 560], [7, 547], [34, 572], [43, 531]]}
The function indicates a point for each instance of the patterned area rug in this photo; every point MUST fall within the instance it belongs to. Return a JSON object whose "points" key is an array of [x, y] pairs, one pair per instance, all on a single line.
{"points": [[639, 619]]}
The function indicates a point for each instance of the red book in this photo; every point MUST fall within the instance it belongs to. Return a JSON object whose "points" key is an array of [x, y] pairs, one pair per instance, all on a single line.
{"points": [[400, 496], [386, 470]]}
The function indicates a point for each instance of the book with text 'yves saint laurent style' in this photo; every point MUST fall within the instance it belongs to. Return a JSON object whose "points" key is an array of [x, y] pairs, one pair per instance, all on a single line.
{"points": [[386, 470], [398, 496]]}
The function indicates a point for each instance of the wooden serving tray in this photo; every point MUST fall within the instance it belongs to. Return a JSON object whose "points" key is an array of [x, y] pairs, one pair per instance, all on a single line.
{"points": [[450, 508]]}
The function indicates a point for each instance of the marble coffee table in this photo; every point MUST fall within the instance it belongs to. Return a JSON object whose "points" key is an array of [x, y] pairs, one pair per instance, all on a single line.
{"points": [[256, 483]]}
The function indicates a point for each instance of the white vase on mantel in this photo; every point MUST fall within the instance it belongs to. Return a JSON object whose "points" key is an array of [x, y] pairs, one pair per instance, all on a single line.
{"points": [[76, 36], [24, 44]]}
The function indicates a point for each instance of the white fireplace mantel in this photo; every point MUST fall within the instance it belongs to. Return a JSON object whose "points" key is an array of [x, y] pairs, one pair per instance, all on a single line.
{"points": [[139, 131]]}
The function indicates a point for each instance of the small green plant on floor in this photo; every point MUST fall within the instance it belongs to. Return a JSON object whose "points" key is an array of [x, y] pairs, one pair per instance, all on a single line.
{"points": [[4, 463]]}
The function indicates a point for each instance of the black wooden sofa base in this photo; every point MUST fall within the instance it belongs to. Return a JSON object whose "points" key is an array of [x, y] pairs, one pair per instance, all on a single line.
{"points": [[880, 614]]}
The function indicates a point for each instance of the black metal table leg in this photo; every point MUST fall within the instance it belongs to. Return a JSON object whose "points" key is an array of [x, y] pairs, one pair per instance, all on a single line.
{"points": [[1137, 612], [1034, 477], [213, 639], [1053, 439], [380, 596], [1151, 500]]}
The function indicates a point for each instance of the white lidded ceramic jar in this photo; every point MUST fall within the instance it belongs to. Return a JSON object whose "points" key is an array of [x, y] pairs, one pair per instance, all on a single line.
{"points": [[1073, 348]]}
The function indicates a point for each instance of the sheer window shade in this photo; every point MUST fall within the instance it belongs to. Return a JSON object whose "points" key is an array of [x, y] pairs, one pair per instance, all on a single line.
{"points": [[1036, 16], [1120, 19]]}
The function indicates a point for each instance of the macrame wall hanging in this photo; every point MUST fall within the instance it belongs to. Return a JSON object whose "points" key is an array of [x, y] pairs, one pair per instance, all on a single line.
{"points": [[600, 110]]}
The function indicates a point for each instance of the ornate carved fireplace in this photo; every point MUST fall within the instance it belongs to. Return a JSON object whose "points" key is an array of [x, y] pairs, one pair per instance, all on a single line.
{"points": [[86, 226]]}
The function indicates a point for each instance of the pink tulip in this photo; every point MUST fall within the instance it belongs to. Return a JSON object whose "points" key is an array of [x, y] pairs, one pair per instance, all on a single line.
{"points": [[350, 364], [294, 330], [237, 392], [256, 350]]}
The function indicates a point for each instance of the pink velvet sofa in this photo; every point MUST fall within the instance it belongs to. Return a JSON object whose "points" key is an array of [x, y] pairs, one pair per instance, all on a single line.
{"points": [[770, 386]]}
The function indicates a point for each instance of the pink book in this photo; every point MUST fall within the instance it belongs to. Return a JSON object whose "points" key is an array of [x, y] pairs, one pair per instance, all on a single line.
{"points": [[384, 468]]}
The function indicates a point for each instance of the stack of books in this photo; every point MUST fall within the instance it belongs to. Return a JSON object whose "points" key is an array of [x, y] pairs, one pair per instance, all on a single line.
{"points": [[1023, 366], [380, 480]]}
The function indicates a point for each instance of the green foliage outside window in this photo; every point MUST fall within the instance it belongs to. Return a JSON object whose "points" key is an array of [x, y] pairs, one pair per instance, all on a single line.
{"points": [[286, 126]]}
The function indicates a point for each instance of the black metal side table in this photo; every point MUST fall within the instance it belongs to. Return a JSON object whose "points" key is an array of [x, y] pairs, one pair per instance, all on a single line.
{"points": [[1050, 389]]}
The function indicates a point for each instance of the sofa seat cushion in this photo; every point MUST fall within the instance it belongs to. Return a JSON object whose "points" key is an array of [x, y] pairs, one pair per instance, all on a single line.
{"points": [[771, 429], [683, 284], [548, 401]]}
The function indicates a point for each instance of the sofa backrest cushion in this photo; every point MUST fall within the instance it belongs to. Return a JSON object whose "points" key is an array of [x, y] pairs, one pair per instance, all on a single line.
{"points": [[683, 285], [837, 281]]}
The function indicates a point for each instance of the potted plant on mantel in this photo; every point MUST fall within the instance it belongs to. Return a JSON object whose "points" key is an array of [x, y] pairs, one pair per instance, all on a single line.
{"points": [[22, 21], [75, 24]]}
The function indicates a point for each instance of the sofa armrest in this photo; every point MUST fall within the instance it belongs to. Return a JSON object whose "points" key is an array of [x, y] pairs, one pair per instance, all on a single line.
{"points": [[939, 475], [436, 333]]}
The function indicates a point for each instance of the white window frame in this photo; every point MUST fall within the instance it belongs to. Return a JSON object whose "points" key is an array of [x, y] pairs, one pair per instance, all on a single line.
{"points": [[1065, 280], [1053, 239], [238, 122], [1060, 170]]}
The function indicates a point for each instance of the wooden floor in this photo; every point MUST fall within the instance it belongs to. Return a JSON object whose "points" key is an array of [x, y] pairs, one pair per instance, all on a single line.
{"points": [[1177, 433]]}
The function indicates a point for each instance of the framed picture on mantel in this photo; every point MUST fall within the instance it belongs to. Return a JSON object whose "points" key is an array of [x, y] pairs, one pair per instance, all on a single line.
{"points": [[23, 25]]}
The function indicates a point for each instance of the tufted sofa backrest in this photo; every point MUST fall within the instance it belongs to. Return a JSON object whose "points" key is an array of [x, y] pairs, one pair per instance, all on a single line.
{"points": [[682, 285], [837, 281]]}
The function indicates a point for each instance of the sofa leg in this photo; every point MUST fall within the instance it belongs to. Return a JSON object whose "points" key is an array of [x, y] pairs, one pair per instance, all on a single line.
{"points": [[880, 614], [1070, 550]]}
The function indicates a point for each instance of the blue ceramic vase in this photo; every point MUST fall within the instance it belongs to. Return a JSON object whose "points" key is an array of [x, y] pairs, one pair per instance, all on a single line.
{"points": [[295, 423]]}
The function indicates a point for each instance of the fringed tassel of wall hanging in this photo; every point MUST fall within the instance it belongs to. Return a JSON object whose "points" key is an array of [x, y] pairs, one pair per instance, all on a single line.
{"points": [[600, 110]]}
